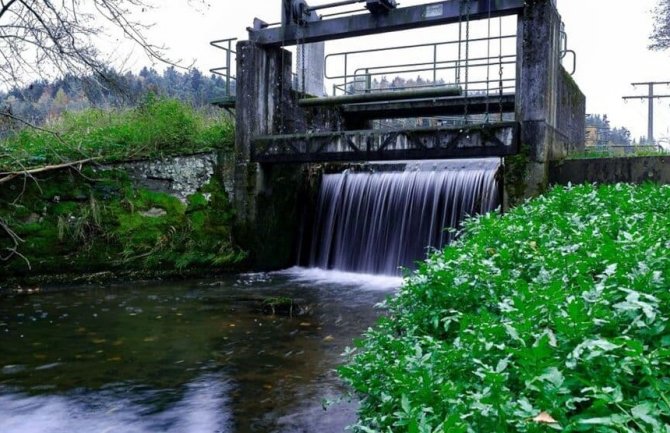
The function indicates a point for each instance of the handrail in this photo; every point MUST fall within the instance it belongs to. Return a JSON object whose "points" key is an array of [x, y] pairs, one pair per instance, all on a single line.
{"points": [[406, 47], [376, 71], [225, 71], [432, 66]]}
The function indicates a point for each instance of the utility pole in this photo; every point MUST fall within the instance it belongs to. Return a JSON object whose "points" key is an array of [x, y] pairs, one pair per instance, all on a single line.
{"points": [[650, 98]]}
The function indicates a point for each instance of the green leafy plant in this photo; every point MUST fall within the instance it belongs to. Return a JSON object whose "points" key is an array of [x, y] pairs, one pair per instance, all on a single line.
{"points": [[552, 317]]}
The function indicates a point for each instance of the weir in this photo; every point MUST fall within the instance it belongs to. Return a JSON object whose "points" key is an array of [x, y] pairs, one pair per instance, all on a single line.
{"points": [[377, 222], [511, 99]]}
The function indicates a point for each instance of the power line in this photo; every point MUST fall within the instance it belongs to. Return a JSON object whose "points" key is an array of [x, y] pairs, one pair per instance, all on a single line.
{"points": [[650, 97]]}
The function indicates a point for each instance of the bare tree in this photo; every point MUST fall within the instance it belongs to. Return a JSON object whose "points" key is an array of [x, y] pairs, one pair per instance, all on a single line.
{"points": [[41, 38], [660, 37], [46, 38]]}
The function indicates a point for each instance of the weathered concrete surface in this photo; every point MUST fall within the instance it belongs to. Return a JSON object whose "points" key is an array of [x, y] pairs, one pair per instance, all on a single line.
{"points": [[611, 170], [263, 82], [311, 68], [549, 105], [571, 120], [267, 198], [179, 176]]}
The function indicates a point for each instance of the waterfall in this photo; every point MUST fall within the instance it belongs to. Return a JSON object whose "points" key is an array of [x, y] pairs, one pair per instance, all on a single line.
{"points": [[378, 221]]}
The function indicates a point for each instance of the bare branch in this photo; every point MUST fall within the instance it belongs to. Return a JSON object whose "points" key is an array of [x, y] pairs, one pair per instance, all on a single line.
{"points": [[14, 249], [5, 7], [49, 38], [11, 175]]}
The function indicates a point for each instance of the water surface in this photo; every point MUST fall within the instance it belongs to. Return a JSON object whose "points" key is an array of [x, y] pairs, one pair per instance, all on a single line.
{"points": [[191, 357]]}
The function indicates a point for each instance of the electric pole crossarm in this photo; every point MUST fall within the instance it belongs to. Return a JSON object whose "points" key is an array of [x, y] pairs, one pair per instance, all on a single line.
{"points": [[650, 98], [656, 83], [646, 97]]}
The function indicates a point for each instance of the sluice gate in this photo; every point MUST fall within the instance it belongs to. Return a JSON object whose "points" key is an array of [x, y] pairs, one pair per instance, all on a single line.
{"points": [[493, 86]]}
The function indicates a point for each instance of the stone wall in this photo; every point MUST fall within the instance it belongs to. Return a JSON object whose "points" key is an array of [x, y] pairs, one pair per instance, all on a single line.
{"points": [[179, 176], [611, 170]]}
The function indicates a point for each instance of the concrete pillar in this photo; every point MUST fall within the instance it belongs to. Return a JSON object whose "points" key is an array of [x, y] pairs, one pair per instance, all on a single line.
{"points": [[266, 198], [311, 68], [263, 92], [538, 70]]}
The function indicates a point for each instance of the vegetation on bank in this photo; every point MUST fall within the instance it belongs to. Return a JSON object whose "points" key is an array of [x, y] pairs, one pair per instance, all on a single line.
{"points": [[552, 317], [157, 127], [619, 152], [100, 221], [87, 220]]}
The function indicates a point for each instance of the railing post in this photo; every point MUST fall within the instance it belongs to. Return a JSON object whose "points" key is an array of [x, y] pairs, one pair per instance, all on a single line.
{"points": [[346, 73], [434, 65], [228, 69]]}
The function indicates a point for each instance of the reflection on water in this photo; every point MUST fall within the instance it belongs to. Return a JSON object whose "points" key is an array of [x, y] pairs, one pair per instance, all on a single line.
{"points": [[202, 410], [183, 357]]}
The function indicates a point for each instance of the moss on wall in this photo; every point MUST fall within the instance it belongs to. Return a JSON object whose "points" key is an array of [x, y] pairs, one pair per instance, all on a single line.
{"points": [[99, 221], [516, 176]]}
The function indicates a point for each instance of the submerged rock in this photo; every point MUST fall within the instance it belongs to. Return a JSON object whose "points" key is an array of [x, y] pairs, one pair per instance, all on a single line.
{"points": [[154, 212]]}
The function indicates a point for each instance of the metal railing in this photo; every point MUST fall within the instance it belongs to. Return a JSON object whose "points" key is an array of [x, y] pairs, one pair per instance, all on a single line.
{"points": [[565, 51], [472, 74], [226, 71]]}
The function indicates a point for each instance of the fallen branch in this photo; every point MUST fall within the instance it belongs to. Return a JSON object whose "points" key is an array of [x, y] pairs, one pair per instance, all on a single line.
{"points": [[16, 240], [11, 175]]}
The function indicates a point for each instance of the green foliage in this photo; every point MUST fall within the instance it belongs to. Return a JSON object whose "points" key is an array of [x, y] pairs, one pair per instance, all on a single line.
{"points": [[556, 311], [614, 152], [71, 224], [155, 128], [516, 172]]}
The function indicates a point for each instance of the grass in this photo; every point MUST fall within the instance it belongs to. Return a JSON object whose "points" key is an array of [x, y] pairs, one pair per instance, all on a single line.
{"points": [[158, 127], [553, 317], [618, 152]]}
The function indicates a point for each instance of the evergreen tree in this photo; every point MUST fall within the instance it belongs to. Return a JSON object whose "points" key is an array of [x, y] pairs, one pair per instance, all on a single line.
{"points": [[660, 37]]}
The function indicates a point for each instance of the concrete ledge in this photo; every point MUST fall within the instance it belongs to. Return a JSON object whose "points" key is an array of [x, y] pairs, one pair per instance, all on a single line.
{"points": [[611, 170]]}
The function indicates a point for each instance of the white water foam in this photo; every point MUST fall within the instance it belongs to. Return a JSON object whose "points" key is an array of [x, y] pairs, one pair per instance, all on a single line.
{"points": [[364, 281], [382, 221], [202, 410]]}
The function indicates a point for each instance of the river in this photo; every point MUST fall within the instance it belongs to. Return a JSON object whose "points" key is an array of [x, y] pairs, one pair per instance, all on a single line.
{"points": [[202, 356]]}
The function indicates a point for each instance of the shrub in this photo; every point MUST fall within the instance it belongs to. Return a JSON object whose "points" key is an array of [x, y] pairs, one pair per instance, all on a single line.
{"points": [[158, 127], [552, 317]]}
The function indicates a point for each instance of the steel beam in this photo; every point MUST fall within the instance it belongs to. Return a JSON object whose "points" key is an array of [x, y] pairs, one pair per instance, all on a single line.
{"points": [[412, 17], [432, 107], [435, 92], [486, 140]]}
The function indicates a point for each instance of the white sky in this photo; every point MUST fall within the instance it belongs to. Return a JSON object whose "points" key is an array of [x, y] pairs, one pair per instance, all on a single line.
{"points": [[609, 36]]}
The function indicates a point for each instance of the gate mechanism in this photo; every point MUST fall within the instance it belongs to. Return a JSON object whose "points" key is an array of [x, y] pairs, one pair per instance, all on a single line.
{"points": [[301, 24], [300, 13]]}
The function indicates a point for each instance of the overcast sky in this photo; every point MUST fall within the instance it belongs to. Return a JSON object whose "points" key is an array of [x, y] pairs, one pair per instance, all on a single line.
{"points": [[609, 36]]}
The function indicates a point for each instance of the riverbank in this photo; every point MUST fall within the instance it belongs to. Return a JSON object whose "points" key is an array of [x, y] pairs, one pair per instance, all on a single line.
{"points": [[155, 215], [553, 316]]}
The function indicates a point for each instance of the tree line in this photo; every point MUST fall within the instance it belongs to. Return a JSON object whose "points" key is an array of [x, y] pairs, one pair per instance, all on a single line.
{"points": [[604, 134], [45, 100]]}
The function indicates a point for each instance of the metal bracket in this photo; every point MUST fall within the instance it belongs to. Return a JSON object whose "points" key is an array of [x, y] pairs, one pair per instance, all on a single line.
{"points": [[379, 7], [297, 12]]}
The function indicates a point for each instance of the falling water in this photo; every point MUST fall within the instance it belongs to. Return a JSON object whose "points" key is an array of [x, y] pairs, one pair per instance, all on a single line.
{"points": [[377, 222]]}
